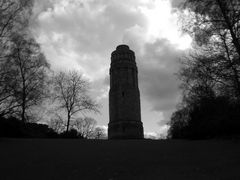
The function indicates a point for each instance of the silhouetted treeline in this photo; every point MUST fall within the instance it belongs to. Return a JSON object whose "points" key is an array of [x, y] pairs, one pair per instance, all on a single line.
{"points": [[209, 118], [210, 73], [14, 128]]}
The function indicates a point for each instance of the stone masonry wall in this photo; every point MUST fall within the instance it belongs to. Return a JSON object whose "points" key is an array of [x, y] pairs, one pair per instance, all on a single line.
{"points": [[124, 97]]}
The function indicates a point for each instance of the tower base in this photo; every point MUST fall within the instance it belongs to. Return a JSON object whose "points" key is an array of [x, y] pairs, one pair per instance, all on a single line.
{"points": [[125, 130]]}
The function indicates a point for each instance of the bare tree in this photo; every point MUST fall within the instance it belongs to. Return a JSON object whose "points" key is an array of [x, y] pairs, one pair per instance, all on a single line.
{"points": [[85, 126], [70, 92], [99, 133], [57, 124], [15, 16], [25, 75]]}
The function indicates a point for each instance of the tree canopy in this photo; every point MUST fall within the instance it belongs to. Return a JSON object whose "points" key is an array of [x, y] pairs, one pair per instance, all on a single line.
{"points": [[210, 73]]}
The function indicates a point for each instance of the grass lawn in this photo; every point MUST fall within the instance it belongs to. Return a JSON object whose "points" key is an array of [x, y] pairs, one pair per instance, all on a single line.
{"points": [[23, 159]]}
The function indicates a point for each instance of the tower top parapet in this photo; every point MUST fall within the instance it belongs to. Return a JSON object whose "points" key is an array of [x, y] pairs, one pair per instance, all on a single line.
{"points": [[122, 47], [123, 53]]}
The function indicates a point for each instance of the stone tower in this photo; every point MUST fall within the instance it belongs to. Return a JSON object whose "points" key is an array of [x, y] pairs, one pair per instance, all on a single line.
{"points": [[124, 97]]}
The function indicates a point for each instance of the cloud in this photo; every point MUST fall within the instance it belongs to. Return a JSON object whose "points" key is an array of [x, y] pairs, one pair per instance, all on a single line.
{"points": [[161, 134], [157, 78], [84, 32], [177, 3], [158, 83], [79, 34], [150, 135]]}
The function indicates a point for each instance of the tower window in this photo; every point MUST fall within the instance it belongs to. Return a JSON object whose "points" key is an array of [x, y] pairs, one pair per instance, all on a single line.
{"points": [[123, 94]]}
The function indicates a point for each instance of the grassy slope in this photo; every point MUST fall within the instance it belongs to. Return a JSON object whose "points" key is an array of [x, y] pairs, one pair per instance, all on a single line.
{"points": [[80, 159]]}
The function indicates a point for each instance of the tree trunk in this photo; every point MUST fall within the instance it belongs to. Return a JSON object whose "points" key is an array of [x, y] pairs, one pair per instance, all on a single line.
{"points": [[23, 111], [68, 121], [236, 79], [23, 102], [237, 83]]}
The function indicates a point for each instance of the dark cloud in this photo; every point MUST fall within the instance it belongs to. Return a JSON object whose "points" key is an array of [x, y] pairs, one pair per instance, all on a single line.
{"points": [[177, 3], [157, 68]]}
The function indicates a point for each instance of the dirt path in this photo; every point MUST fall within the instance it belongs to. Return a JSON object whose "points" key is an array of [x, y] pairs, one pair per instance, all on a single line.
{"points": [[23, 159]]}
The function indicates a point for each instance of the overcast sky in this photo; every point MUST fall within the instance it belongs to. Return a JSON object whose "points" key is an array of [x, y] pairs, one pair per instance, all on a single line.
{"points": [[81, 34]]}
